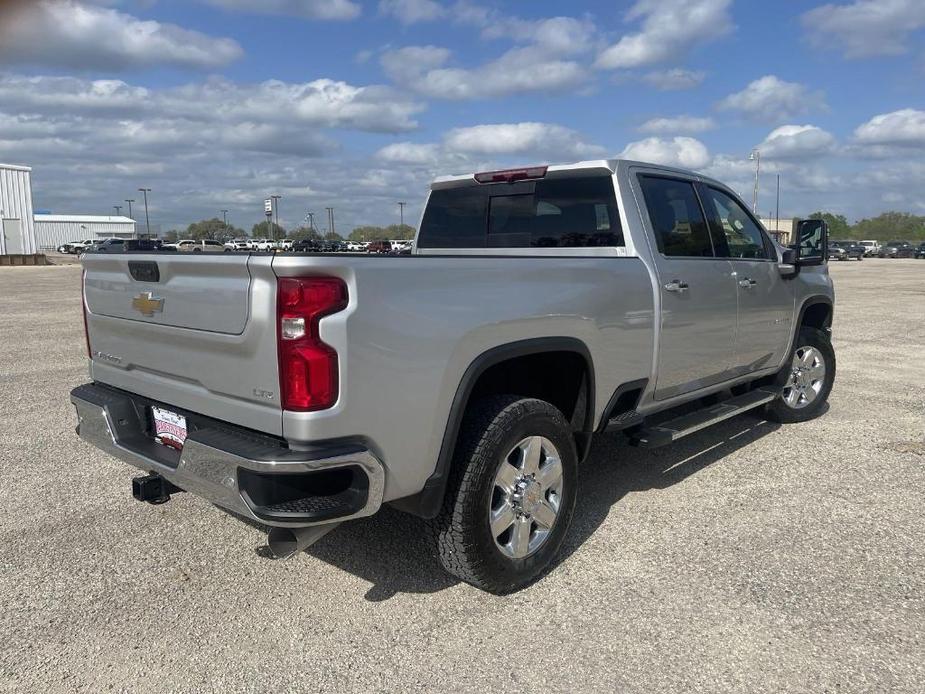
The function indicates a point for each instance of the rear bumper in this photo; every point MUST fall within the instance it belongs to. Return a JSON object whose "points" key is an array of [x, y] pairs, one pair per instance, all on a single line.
{"points": [[243, 471]]}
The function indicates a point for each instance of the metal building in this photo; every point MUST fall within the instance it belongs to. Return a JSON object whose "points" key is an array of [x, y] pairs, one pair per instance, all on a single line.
{"points": [[52, 230], [17, 232]]}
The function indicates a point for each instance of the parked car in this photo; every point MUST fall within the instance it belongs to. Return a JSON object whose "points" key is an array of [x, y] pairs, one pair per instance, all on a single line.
{"points": [[871, 248], [264, 245], [920, 250], [303, 391], [74, 247], [237, 245], [332, 246], [380, 246], [897, 249], [306, 246], [356, 246], [106, 246], [851, 250], [202, 246]]}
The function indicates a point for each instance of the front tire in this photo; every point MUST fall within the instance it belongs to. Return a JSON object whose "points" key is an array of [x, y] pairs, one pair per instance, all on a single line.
{"points": [[809, 379], [510, 496]]}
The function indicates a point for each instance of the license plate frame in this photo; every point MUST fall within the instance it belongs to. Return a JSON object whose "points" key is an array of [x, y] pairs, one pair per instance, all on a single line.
{"points": [[170, 428]]}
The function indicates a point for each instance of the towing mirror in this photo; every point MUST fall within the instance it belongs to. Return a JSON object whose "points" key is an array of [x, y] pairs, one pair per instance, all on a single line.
{"points": [[812, 242]]}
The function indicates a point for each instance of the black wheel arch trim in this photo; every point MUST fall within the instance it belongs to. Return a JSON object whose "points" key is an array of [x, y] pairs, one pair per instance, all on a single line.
{"points": [[428, 501]]}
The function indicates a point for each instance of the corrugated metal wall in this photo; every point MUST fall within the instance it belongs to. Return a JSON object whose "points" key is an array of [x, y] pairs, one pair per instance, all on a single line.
{"points": [[16, 203], [51, 234]]}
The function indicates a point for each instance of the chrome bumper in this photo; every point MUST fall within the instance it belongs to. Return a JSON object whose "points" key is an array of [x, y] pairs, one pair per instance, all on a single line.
{"points": [[205, 467]]}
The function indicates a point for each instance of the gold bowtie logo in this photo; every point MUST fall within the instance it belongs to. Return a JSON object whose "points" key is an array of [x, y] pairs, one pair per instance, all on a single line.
{"points": [[147, 305]]}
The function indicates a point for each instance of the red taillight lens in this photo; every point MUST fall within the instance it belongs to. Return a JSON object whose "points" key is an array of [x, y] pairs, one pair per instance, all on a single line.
{"points": [[83, 310], [308, 371], [511, 175]]}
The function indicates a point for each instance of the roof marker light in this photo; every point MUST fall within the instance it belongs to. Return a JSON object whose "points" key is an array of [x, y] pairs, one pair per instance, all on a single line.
{"points": [[511, 175]]}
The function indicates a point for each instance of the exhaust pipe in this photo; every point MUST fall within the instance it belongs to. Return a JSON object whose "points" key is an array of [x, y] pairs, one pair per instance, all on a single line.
{"points": [[285, 542]]}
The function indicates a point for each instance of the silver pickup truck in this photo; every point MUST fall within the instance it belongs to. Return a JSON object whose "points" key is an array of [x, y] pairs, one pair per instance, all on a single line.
{"points": [[462, 383]]}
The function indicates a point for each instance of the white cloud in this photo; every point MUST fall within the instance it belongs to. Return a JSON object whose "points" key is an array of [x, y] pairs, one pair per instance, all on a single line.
{"points": [[683, 152], [670, 28], [537, 140], [412, 11], [68, 34], [865, 27], [306, 9], [564, 35], [904, 127], [770, 98], [519, 70], [677, 124], [410, 153], [674, 79], [796, 142], [323, 103]]}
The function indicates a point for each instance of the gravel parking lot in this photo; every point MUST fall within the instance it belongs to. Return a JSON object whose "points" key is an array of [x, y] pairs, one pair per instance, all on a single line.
{"points": [[748, 557]]}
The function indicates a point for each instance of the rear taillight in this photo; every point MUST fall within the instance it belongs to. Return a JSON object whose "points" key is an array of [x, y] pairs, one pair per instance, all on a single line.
{"points": [[308, 371], [83, 310]]}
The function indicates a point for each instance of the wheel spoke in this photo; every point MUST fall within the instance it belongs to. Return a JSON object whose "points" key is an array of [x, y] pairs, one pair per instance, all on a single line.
{"points": [[810, 395], [817, 372], [506, 477], [532, 452], [501, 519], [791, 396], [550, 474], [520, 537], [809, 355], [545, 515]]}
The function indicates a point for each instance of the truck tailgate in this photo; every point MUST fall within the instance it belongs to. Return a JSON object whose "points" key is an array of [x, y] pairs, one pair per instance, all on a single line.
{"points": [[194, 331]]}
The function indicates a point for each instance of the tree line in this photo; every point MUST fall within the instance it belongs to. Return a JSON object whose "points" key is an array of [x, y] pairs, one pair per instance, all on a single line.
{"points": [[889, 226], [217, 230]]}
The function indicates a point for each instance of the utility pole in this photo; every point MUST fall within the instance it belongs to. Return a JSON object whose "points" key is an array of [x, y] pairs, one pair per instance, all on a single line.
{"points": [[130, 208], [755, 156], [225, 218], [401, 212], [276, 199], [311, 221], [118, 209], [330, 219], [147, 219], [777, 209]]}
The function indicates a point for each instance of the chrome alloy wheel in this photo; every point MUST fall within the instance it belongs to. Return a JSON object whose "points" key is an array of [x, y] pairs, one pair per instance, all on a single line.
{"points": [[807, 376], [526, 497]]}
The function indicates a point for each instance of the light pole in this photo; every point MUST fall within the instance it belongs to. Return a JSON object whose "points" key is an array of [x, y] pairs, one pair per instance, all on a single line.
{"points": [[276, 199], [118, 209], [401, 212], [777, 208], [145, 191], [755, 156], [330, 220], [130, 208]]}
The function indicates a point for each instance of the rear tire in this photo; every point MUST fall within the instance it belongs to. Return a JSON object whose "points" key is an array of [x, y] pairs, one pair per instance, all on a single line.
{"points": [[510, 496], [809, 378]]}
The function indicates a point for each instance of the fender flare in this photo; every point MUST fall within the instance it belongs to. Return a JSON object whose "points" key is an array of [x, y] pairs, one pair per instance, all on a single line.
{"points": [[428, 501]]}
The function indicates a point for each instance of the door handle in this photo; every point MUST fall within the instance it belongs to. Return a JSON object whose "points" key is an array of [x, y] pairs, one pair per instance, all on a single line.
{"points": [[747, 283], [676, 286]]}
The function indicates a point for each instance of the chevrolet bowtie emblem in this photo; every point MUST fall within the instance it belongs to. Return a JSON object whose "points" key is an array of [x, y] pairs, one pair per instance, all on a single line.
{"points": [[147, 305]]}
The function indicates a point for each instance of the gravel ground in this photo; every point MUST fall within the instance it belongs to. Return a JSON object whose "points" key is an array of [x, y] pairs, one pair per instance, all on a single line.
{"points": [[748, 557]]}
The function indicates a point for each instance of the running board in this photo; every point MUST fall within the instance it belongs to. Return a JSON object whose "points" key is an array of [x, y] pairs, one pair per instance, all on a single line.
{"points": [[672, 430]]}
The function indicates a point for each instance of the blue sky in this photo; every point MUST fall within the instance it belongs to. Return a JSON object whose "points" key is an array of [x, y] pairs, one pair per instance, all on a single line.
{"points": [[218, 103]]}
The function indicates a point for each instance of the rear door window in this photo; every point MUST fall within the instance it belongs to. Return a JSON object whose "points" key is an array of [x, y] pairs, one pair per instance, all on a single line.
{"points": [[677, 220], [548, 213]]}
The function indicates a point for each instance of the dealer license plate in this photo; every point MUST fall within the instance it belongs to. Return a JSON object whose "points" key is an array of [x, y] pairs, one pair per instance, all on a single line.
{"points": [[169, 427]]}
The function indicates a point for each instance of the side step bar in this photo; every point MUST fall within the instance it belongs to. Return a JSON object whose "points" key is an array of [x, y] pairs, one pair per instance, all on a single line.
{"points": [[672, 430]]}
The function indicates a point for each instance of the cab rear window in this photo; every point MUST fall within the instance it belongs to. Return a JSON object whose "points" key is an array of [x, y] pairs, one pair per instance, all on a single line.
{"points": [[549, 213]]}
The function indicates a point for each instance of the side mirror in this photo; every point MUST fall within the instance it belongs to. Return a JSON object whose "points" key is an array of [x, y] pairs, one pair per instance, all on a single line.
{"points": [[812, 242]]}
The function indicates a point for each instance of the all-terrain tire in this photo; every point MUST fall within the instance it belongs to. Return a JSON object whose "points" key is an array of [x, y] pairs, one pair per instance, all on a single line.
{"points": [[780, 410], [492, 427]]}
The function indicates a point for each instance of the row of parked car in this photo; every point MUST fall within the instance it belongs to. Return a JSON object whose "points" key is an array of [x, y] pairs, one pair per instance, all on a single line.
{"points": [[263, 245], [858, 250]]}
